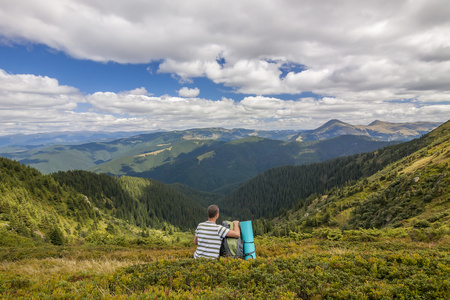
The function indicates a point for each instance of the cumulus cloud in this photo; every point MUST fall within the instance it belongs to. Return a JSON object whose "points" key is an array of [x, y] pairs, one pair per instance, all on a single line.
{"points": [[380, 59], [347, 47], [188, 93], [35, 92], [49, 106], [259, 111]]}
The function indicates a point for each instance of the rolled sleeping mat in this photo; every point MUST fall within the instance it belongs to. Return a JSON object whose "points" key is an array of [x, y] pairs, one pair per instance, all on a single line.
{"points": [[247, 236]]}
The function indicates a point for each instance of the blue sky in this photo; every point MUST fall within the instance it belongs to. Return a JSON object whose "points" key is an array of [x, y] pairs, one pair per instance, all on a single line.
{"points": [[155, 65], [87, 75]]}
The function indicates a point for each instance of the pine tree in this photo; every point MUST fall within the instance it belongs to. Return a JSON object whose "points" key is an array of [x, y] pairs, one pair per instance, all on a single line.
{"points": [[56, 236]]}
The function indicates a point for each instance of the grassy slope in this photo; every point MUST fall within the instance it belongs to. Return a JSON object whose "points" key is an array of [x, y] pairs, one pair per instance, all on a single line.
{"points": [[384, 268], [414, 191]]}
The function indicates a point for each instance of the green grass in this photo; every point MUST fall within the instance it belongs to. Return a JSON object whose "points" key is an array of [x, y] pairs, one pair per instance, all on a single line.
{"points": [[383, 268]]}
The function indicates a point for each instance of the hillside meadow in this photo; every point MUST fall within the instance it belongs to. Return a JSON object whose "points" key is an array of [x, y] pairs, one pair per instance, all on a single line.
{"points": [[360, 264]]}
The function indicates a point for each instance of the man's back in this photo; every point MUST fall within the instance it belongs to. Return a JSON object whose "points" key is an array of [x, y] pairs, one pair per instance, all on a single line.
{"points": [[209, 237]]}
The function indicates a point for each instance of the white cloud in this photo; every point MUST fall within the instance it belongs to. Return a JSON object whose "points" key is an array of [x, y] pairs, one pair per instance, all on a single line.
{"points": [[29, 91], [260, 112], [30, 103], [137, 92], [188, 93], [365, 57], [347, 46]]}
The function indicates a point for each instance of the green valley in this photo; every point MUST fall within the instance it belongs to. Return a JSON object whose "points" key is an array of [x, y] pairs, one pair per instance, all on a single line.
{"points": [[215, 159], [223, 167]]}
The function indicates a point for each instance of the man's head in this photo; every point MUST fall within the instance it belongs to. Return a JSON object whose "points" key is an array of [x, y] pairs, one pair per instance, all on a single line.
{"points": [[213, 210]]}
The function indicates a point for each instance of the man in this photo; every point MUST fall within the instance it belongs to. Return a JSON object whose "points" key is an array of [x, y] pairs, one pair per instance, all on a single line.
{"points": [[209, 235]]}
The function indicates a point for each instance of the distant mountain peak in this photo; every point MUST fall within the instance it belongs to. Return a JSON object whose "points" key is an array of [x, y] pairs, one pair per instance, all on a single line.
{"points": [[333, 122], [378, 122]]}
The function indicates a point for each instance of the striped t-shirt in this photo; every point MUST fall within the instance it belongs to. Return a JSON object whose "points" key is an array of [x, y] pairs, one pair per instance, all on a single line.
{"points": [[209, 238]]}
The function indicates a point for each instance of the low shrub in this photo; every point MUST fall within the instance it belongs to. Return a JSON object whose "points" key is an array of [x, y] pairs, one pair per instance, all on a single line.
{"points": [[10, 238], [299, 236], [313, 269], [422, 224], [328, 233], [427, 235], [360, 235]]}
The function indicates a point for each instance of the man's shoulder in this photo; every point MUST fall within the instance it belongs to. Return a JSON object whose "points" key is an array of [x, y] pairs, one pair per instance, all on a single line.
{"points": [[208, 224]]}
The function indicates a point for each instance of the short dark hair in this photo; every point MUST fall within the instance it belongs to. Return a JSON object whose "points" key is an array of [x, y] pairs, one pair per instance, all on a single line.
{"points": [[213, 210]]}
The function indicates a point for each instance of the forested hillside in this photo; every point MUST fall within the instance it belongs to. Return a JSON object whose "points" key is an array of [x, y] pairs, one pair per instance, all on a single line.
{"points": [[411, 192], [288, 187], [141, 202], [34, 207], [74, 206], [222, 167], [142, 147], [78, 207]]}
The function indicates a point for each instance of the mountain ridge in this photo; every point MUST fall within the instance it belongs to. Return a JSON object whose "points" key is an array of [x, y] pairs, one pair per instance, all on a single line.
{"points": [[78, 137], [223, 166], [380, 130], [86, 156]]}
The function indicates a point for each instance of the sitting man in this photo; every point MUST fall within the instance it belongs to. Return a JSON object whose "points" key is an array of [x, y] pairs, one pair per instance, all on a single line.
{"points": [[209, 235]]}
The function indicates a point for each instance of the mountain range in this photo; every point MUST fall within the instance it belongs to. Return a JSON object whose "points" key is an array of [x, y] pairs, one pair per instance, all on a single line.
{"points": [[379, 130], [216, 159]]}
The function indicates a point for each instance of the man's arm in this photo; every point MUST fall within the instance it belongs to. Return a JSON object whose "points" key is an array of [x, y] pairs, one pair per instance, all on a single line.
{"points": [[195, 240], [236, 232]]}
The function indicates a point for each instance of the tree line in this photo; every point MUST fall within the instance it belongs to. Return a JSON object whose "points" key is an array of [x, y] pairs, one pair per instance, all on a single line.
{"points": [[289, 187]]}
